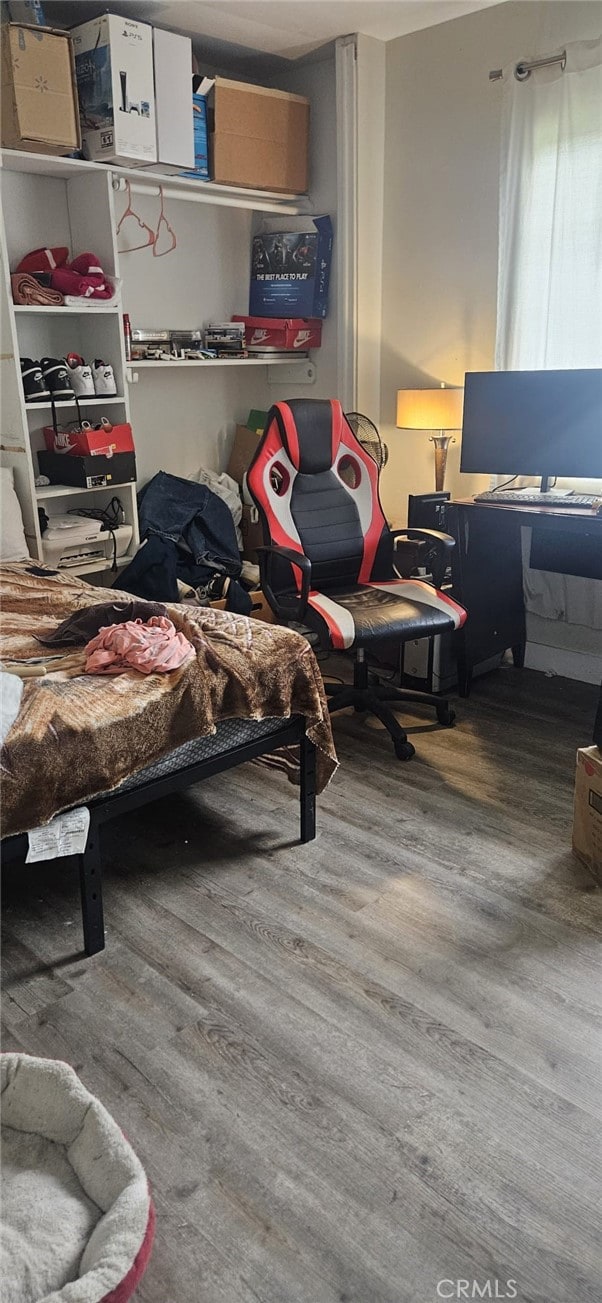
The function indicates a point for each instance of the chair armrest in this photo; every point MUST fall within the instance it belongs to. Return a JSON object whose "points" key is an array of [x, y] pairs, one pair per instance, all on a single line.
{"points": [[267, 552], [440, 544], [444, 540]]}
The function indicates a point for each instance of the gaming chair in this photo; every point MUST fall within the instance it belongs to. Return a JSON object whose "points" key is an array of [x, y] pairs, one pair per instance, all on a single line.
{"points": [[328, 559]]}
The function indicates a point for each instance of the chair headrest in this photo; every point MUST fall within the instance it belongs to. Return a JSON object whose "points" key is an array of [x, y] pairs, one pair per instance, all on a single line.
{"points": [[311, 431]]}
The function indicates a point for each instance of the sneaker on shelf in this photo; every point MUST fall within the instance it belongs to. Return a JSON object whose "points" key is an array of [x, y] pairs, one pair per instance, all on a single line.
{"points": [[80, 376], [34, 384], [56, 377], [104, 379]]}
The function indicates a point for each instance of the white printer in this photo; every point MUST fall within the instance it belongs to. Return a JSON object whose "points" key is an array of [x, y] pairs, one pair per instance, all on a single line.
{"points": [[71, 541]]}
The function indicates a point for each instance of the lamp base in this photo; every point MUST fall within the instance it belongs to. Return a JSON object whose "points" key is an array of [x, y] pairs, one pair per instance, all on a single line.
{"points": [[441, 442]]}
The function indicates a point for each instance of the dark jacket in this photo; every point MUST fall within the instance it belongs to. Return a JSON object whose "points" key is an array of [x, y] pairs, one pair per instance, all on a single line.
{"points": [[191, 536], [186, 512]]}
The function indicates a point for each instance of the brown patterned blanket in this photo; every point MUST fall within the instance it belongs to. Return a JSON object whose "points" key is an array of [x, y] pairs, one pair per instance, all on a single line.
{"points": [[78, 735]]}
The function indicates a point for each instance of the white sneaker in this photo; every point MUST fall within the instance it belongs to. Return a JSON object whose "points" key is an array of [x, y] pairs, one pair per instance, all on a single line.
{"points": [[80, 376], [104, 380]]}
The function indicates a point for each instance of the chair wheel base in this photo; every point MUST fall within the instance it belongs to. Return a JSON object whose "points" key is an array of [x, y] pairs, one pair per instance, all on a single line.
{"points": [[404, 750], [382, 700]]}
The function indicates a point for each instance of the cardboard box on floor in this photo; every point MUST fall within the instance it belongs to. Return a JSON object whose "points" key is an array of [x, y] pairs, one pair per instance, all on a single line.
{"points": [[259, 137], [260, 610], [39, 96], [243, 450], [587, 817]]}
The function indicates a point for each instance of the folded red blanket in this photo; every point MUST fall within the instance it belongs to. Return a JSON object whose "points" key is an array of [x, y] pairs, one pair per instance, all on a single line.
{"points": [[27, 290]]}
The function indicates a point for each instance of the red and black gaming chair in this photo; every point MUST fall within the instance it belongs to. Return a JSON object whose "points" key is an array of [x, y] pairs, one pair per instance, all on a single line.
{"points": [[328, 557]]}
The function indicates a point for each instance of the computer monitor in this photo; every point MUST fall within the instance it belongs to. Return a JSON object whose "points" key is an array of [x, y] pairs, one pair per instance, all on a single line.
{"points": [[546, 423]]}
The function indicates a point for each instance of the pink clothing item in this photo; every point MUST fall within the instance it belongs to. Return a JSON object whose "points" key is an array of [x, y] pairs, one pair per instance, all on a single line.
{"points": [[153, 647]]}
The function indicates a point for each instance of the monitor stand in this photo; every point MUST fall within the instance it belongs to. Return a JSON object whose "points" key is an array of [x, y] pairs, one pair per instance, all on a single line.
{"points": [[544, 487]]}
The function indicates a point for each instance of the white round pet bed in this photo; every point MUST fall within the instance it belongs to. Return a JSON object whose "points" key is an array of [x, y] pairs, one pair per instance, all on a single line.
{"points": [[77, 1217]]}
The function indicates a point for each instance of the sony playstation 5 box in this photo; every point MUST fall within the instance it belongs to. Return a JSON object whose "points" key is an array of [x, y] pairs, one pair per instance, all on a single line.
{"points": [[115, 85], [290, 268], [173, 72]]}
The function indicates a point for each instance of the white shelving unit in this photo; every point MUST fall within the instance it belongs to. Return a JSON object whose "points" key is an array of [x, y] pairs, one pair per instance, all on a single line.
{"points": [[66, 169], [51, 201], [87, 402], [65, 310], [68, 491], [205, 363], [43, 205]]}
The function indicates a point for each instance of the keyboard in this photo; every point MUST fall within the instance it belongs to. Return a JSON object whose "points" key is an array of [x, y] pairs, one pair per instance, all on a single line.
{"points": [[523, 498]]}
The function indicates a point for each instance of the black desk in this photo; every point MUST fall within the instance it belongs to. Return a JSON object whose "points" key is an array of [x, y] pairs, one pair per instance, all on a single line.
{"points": [[487, 569]]}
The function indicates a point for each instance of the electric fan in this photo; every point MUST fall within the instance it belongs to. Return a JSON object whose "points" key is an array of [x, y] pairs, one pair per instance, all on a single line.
{"points": [[367, 434]]}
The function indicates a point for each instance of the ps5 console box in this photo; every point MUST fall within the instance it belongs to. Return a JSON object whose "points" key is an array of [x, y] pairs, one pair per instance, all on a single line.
{"points": [[587, 817], [172, 56], [114, 69]]}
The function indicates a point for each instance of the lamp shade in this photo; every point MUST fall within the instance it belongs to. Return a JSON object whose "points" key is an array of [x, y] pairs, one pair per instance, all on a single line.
{"points": [[429, 409]]}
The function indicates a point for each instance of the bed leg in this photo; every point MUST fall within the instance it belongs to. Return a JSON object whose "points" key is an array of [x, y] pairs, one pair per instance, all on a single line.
{"points": [[307, 758], [90, 883]]}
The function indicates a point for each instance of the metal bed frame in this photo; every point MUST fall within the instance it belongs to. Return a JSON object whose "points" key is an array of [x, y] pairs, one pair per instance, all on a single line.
{"points": [[150, 784]]}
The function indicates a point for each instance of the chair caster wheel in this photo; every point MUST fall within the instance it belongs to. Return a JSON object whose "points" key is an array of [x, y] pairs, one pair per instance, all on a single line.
{"points": [[446, 716], [404, 750]]}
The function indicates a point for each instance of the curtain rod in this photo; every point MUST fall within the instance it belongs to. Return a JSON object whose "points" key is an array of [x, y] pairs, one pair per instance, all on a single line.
{"points": [[523, 69]]}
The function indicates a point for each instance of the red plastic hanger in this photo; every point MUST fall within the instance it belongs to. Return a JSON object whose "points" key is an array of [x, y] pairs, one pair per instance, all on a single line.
{"points": [[129, 212], [163, 221]]}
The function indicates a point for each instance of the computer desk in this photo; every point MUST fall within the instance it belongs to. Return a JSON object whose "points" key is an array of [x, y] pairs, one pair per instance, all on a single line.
{"points": [[487, 569]]}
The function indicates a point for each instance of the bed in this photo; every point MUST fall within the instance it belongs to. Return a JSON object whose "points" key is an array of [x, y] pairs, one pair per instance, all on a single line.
{"points": [[110, 743]]}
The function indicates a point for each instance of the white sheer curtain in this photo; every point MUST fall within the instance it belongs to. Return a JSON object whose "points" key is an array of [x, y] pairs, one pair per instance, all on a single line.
{"points": [[550, 257], [550, 241]]}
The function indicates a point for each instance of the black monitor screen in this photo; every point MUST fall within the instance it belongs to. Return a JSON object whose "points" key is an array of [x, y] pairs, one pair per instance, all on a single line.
{"points": [[533, 423]]}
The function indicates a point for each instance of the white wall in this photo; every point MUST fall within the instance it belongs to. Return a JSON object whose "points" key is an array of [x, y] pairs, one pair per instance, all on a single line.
{"points": [[185, 419], [442, 134], [371, 75], [316, 78]]}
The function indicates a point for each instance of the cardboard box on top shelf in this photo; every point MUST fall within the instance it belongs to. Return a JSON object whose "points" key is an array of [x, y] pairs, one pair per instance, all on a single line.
{"points": [[115, 83], [172, 60], [587, 817], [259, 137], [29, 12], [290, 268], [39, 97]]}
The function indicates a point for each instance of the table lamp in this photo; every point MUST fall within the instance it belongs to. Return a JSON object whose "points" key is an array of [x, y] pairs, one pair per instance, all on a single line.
{"points": [[432, 409]]}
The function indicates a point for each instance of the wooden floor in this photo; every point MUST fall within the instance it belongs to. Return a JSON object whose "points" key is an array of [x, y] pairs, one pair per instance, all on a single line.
{"points": [[362, 1067]]}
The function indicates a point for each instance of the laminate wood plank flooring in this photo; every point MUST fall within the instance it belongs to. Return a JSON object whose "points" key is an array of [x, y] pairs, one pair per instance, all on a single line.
{"points": [[365, 1070]]}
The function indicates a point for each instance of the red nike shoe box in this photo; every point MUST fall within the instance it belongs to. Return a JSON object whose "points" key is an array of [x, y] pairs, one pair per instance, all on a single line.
{"points": [[90, 443], [281, 334]]}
